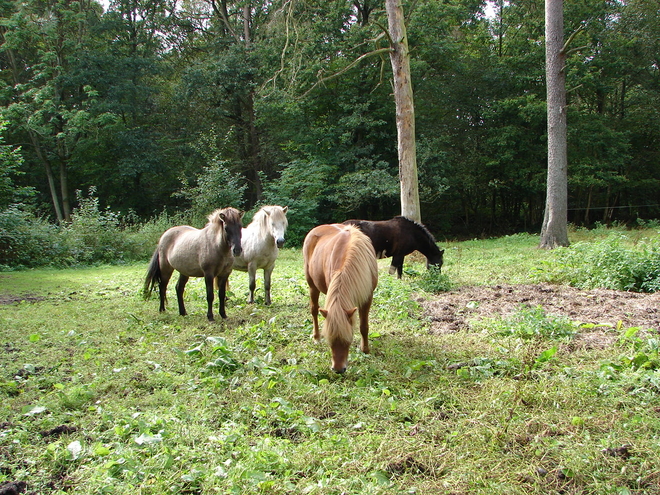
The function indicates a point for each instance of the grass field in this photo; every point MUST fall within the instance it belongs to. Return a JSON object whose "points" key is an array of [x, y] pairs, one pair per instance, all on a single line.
{"points": [[102, 394]]}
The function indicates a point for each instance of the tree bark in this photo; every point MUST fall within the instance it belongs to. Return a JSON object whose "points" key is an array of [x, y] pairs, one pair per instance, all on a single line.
{"points": [[405, 111], [555, 222]]}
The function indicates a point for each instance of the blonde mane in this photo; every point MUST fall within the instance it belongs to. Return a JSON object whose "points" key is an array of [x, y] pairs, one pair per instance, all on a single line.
{"points": [[271, 213], [351, 285]]}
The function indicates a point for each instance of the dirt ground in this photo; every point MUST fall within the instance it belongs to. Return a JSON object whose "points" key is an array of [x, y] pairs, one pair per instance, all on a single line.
{"points": [[452, 311]]}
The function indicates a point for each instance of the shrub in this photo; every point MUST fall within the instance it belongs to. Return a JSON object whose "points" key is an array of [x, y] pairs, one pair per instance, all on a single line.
{"points": [[25, 240], [610, 263], [94, 236], [303, 186], [216, 187]]}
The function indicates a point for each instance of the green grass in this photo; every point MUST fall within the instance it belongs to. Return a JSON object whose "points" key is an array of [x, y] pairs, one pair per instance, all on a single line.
{"points": [[99, 393]]}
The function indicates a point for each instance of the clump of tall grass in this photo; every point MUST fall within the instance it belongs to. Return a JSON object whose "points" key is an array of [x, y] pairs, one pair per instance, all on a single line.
{"points": [[434, 281], [611, 263]]}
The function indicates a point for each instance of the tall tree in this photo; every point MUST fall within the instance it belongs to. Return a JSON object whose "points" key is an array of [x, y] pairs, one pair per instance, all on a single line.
{"points": [[554, 232], [38, 42], [405, 111]]}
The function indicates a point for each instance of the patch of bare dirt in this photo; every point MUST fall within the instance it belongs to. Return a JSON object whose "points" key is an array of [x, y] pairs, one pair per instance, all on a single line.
{"points": [[452, 311], [13, 299]]}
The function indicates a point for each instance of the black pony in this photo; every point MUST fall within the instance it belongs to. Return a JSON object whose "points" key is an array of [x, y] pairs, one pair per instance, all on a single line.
{"points": [[397, 238]]}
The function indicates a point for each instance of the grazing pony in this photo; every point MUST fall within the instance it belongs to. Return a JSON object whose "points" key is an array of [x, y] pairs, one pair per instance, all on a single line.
{"points": [[261, 241], [340, 262], [207, 253], [398, 237]]}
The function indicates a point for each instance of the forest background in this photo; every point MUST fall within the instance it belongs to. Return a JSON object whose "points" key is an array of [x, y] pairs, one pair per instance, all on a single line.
{"points": [[140, 109]]}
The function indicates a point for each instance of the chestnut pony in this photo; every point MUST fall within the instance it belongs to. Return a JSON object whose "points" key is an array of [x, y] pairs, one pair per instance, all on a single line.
{"points": [[207, 253], [340, 262]]}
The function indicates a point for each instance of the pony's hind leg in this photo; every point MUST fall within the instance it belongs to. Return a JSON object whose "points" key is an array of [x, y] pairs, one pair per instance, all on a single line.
{"points": [[397, 266], [165, 275], [364, 326], [180, 286]]}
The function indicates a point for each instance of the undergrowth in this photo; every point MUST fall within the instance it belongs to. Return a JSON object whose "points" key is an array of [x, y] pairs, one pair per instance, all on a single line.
{"points": [[615, 262]]}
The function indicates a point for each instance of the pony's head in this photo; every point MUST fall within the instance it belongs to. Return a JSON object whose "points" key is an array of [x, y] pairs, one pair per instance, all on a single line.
{"points": [[435, 259], [276, 222], [232, 225], [338, 332]]}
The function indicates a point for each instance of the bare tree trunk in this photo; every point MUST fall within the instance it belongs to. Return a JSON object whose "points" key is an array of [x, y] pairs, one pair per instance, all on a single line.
{"points": [[50, 176], [64, 189], [405, 111], [555, 222]]}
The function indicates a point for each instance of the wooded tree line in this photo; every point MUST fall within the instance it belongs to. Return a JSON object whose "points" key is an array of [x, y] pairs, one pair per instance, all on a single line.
{"points": [[165, 104]]}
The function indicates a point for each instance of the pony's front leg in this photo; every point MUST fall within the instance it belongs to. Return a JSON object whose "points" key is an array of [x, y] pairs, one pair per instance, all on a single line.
{"points": [[267, 274], [180, 286], [314, 308], [364, 326], [208, 280], [397, 266], [222, 295], [252, 275]]}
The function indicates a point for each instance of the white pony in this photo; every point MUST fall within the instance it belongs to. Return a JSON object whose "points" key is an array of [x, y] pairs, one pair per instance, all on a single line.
{"points": [[261, 241]]}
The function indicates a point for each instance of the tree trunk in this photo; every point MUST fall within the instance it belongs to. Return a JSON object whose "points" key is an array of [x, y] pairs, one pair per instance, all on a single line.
{"points": [[405, 111], [64, 189], [555, 222], [49, 175]]}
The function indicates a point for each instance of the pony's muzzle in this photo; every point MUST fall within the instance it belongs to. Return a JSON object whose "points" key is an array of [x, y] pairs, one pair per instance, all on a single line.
{"points": [[237, 250], [341, 371], [280, 242]]}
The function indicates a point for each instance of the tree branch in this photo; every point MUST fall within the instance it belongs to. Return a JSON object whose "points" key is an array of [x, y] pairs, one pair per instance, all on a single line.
{"points": [[347, 68], [564, 49]]}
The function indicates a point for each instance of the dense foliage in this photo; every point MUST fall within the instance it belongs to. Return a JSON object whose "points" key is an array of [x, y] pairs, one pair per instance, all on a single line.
{"points": [[165, 106]]}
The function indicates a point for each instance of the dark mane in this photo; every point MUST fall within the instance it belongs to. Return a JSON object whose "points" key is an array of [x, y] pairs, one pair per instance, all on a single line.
{"points": [[420, 226]]}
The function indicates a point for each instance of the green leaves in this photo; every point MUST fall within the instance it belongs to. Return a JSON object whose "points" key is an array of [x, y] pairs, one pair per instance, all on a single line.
{"points": [[531, 322], [615, 262]]}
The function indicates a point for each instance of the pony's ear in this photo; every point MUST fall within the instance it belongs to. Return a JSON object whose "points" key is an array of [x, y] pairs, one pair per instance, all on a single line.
{"points": [[350, 313], [223, 217], [324, 312], [285, 209], [240, 214]]}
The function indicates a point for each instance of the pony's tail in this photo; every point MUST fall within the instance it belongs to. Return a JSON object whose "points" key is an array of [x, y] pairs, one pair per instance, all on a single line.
{"points": [[153, 275]]}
